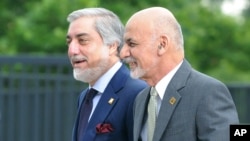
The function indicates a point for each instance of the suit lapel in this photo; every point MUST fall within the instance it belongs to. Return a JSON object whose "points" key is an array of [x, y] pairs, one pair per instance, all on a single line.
{"points": [[171, 99], [169, 103], [82, 95], [109, 98], [104, 107], [140, 109]]}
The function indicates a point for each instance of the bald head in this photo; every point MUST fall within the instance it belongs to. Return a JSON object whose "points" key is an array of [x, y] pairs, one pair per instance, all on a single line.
{"points": [[159, 21], [153, 44], [153, 13]]}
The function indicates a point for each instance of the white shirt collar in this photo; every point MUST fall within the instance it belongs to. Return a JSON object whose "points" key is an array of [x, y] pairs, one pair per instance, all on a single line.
{"points": [[163, 83], [103, 81]]}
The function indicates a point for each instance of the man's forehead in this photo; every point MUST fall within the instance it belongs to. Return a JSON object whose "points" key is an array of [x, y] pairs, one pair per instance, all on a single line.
{"points": [[129, 34], [133, 36], [138, 29], [82, 27], [127, 37], [133, 28]]}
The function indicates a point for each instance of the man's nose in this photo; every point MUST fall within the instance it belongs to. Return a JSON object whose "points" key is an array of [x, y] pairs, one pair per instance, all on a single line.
{"points": [[124, 52], [73, 48]]}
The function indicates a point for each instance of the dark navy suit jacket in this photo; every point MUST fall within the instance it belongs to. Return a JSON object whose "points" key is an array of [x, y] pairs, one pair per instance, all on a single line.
{"points": [[123, 89]]}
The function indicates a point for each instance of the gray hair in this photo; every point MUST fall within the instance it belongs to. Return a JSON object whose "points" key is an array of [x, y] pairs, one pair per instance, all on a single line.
{"points": [[107, 24], [175, 33], [168, 23]]}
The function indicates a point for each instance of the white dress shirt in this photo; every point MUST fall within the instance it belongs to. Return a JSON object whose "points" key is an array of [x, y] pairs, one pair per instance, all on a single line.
{"points": [[160, 87], [102, 83]]}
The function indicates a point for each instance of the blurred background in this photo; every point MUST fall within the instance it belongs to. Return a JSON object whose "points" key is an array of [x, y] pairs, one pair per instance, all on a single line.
{"points": [[37, 91]]}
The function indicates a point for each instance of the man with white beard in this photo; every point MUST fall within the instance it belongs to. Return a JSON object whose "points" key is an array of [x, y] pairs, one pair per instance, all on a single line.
{"points": [[94, 40]]}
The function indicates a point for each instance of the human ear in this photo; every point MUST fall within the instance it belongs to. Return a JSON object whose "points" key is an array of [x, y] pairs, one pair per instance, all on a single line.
{"points": [[162, 48], [113, 48]]}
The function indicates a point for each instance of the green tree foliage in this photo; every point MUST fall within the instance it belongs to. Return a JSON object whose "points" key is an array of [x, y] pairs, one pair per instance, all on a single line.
{"points": [[38, 26], [215, 44]]}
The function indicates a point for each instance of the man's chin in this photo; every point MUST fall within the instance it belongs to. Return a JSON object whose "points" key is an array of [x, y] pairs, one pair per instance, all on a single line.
{"points": [[77, 77], [135, 75], [81, 76]]}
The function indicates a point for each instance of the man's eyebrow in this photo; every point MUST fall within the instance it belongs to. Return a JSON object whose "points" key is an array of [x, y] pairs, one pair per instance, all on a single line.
{"points": [[67, 37], [129, 40], [81, 34], [77, 35]]}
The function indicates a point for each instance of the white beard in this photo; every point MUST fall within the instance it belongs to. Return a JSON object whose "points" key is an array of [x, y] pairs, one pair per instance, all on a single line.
{"points": [[137, 73], [91, 74]]}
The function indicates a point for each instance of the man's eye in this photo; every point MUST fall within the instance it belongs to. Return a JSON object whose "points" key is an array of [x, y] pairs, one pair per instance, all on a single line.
{"points": [[132, 44], [68, 41], [83, 41]]}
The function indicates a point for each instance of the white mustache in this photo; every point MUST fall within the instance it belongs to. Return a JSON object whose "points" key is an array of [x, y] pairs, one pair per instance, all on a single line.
{"points": [[77, 58], [128, 60]]}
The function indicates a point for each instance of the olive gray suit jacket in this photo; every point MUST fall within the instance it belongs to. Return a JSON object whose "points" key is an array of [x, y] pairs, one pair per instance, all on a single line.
{"points": [[195, 107]]}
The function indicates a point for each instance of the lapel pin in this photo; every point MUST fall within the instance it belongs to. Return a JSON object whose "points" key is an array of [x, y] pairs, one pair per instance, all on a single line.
{"points": [[172, 100], [111, 100]]}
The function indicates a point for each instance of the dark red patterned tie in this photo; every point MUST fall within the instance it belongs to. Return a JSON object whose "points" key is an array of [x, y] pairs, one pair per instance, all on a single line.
{"points": [[85, 111]]}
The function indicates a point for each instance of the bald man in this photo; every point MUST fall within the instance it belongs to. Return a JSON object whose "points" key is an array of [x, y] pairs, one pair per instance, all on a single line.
{"points": [[181, 103]]}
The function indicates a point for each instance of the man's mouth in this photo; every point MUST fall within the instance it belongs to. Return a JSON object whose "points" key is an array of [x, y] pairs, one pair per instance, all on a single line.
{"points": [[132, 65], [131, 62], [78, 62]]}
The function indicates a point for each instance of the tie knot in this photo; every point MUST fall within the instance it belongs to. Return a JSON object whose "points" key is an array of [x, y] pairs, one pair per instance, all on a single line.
{"points": [[153, 91], [91, 94]]}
